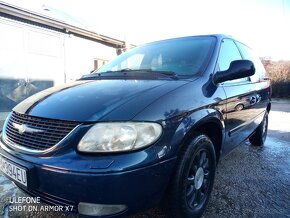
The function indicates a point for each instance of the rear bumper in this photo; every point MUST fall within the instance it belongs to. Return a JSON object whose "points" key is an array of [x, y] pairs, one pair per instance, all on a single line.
{"points": [[136, 188]]}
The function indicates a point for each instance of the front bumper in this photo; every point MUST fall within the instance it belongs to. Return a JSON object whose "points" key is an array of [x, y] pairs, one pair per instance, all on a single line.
{"points": [[137, 188]]}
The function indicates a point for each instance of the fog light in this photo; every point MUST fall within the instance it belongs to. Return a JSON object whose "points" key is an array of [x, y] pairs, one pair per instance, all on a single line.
{"points": [[99, 209]]}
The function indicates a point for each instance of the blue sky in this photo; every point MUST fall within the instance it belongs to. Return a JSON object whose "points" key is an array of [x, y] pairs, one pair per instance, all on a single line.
{"points": [[262, 24]]}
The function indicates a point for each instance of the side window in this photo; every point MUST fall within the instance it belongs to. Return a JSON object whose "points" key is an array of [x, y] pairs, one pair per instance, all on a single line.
{"points": [[248, 54], [228, 53]]}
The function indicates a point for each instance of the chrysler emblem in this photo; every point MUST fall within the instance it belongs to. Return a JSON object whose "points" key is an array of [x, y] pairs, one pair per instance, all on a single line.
{"points": [[22, 128]]}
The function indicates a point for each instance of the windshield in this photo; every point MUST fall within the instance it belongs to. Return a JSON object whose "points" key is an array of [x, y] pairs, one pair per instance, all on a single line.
{"points": [[183, 56]]}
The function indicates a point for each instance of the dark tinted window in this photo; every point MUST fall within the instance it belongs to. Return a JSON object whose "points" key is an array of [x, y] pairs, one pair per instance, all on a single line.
{"points": [[184, 56], [249, 55], [228, 53]]}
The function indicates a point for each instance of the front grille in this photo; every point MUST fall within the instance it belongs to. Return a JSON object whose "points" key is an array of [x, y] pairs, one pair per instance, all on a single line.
{"points": [[37, 133]]}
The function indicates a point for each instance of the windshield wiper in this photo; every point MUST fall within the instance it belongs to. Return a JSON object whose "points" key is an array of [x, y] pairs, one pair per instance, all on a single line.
{"points": [[128, 70]]}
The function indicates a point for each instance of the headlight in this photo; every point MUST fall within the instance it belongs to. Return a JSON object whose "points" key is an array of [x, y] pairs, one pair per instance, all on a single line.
{"points": [[114, 137]]}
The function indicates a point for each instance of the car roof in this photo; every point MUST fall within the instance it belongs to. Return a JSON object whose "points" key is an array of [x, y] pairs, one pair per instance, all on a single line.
{"points": [[219, 37]]}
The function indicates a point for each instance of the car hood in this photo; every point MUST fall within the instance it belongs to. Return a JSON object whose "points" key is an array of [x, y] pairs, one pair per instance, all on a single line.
{"points": [[97, 100]]}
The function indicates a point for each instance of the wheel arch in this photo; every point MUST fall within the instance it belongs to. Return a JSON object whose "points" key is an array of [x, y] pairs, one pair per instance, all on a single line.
{"points": [[213, 127]]}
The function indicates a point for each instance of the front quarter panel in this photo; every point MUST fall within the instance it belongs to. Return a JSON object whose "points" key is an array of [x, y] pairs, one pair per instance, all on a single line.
{"points": [[181, 110], [189, 124]]}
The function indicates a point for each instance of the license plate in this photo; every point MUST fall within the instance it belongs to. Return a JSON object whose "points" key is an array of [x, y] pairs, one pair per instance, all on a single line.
{"points": [[13, 171]]}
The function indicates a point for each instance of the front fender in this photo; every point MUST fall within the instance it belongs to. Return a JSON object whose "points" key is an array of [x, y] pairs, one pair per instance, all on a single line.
{"points": [[190, 123]]}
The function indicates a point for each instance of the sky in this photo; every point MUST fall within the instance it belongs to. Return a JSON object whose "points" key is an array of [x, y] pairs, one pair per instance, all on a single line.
{"points": [[264, 25]]}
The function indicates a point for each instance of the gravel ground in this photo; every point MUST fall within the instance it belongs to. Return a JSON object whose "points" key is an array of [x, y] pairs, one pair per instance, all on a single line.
{"points": [[250, 182]]}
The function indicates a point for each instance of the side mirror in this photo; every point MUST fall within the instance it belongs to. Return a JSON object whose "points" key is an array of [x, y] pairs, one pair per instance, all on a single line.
{"points": [[238, 69]]}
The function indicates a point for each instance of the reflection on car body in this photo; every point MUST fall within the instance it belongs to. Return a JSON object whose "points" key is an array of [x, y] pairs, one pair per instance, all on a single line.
{"points": [[243, 103]]}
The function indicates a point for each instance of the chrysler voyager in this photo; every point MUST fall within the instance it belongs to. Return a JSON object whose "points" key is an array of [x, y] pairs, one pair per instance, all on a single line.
{"points": [[149, 126]]}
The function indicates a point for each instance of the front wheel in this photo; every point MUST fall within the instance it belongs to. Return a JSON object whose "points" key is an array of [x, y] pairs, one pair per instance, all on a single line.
{"points": [[193, 179], [260, 134]]}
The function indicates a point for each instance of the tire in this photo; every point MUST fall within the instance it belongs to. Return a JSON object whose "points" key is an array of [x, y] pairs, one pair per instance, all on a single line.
{"points": [[260, 134], [192, 181], [239, 107]]}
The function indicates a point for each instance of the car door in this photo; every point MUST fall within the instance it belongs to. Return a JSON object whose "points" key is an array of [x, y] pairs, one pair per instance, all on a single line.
{"points": [[259, 80], [241, 96]]}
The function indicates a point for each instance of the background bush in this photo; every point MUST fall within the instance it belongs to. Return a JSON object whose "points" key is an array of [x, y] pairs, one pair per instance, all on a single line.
{"points": [[279, 73]]}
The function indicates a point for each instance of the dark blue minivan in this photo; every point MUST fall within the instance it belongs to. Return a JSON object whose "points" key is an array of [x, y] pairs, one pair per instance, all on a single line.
{"points": [[149, 126]]}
